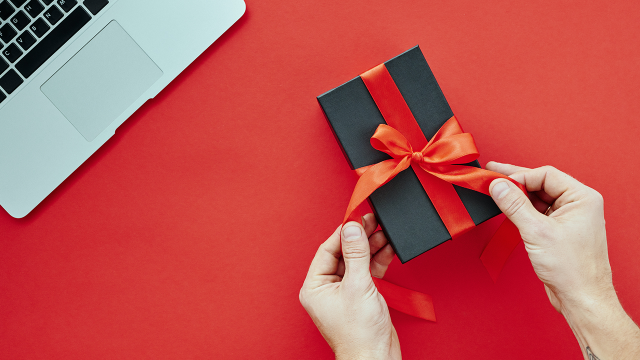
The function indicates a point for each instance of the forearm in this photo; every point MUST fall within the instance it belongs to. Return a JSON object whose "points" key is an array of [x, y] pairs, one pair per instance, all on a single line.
{"points": [[604, 327]]}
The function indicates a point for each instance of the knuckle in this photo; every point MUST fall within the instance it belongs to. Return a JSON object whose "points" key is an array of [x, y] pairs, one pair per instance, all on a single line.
{"points": [[597, 197], [324, 248], [591, 196], [583, 193], [302, 296], [515, 205], [548, 169], [355, 252]]}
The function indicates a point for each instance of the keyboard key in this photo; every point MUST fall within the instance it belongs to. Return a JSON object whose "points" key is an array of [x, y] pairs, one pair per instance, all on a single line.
{"points": [[48, 46], [2, 96], [12, 53], [53, 15], [47, 2], [39, 27], [67, 5], [26, 40], [10, 81], [20, 20], [6, 10], [34, 8], [3, 65], [7, 33], [95, 5], [18, 3]]}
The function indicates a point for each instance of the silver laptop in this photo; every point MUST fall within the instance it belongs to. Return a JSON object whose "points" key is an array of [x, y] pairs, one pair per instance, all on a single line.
{"points": [[72, 71]]}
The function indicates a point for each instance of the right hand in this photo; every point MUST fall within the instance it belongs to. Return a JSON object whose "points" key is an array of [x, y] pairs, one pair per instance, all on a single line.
{"points": [[567, 245], [561, 222]]}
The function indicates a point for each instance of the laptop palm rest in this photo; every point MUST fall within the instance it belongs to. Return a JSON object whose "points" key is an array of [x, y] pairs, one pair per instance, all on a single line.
{"points": [[101, 81]]}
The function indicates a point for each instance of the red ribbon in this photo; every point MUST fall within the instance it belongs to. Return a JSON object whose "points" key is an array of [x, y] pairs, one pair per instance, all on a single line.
{"points": [[436, 166]]}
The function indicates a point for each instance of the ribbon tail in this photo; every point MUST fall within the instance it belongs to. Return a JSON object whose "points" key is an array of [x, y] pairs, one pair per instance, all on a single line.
{"points": [[375, 176], [469, 177], [507, 237], [362, 170], [410, 302], [499, 248]]}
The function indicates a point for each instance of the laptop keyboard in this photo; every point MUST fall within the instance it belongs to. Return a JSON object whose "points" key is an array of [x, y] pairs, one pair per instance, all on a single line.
{"points": [[31, 31]]}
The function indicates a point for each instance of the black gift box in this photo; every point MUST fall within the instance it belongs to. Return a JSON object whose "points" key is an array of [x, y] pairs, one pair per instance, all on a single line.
{"points": [[402, 206]]}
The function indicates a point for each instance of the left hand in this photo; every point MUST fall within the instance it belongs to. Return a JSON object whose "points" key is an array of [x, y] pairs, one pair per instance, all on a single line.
{"points": [[341, 298]]}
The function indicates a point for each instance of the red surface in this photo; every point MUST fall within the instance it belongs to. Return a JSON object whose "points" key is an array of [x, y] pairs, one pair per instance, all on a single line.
{"points": [[189, 234]]}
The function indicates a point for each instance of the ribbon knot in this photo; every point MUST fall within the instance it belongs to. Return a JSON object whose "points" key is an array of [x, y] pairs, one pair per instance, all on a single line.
{"points": [[449, 146], [417, 157]]}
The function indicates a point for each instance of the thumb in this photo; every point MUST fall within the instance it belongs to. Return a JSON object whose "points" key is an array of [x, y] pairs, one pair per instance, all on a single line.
{"points": [[356, 253], [513, 203]]}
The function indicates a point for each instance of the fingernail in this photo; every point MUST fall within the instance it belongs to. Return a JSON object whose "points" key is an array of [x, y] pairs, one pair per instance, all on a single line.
{"points": [[352, 232], [500, 189]]}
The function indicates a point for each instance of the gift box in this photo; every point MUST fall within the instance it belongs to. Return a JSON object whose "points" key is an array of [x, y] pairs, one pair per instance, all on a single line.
{"points": [[402, 206]]}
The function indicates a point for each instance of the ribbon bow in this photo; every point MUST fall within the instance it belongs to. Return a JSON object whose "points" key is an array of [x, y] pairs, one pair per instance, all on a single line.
{"points": [[449, 146]]}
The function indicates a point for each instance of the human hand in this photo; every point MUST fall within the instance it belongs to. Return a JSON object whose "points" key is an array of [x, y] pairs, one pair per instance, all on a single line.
{"points": [[567, 245], [562, 225], [341, 298]]}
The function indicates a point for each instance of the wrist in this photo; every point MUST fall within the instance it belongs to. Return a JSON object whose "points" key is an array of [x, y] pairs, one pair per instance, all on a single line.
{"points": [[359, 355], [597, 319], [583, 301], [592, 309]]}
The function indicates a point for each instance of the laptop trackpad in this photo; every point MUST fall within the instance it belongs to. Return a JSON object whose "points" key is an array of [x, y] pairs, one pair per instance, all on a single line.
{"points": [[101, 81]]}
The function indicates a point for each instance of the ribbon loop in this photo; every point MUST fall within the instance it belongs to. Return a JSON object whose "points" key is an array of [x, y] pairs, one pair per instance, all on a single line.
{"points": [[450, 127], [391, 141], [454, 149]]}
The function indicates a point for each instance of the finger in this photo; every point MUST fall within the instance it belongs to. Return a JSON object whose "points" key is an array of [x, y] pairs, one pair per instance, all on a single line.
{"points": [[370, 224], [548, 179], [544, 197], [340, 271], [514, 203], [326, 260], [381, 260], [356, 254], [540, 199], [504, 169], [377, 241], [540, 205]]}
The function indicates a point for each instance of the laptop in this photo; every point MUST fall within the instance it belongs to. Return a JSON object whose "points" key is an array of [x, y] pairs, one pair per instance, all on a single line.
{"points": [[72, 71]]}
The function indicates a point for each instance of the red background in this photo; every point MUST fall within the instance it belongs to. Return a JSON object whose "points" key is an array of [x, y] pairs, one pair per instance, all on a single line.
{"points": [[188, 235]]}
